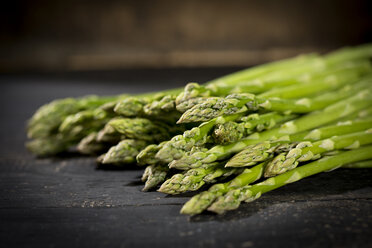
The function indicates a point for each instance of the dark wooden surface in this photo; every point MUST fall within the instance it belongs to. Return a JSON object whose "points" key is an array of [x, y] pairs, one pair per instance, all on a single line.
{"points": [[66, 202]]}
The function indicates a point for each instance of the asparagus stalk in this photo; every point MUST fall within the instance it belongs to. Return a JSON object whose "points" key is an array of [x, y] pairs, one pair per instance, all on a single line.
{"points": [[131, 106], [197, 136], [47, 119], [147, 155], [108, 134], [233, 198], [362, 114], [194, 179], [237, 103], [307, 105], [154, 175], [202, 201], [264, 77], [262, 151], [134, 106], [89, 145], [144, 129], [249, 77], [320, 84], [73, 128], [359, 165], [124, 153], [315, 119], [182, 107], [264, 84], [43, 147], [307, 150], [159, 107], [233, 131], [92, 119]]}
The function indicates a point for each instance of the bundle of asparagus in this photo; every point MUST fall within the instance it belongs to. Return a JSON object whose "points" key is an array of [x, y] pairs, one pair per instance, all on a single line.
{"points": [[275, 124]]}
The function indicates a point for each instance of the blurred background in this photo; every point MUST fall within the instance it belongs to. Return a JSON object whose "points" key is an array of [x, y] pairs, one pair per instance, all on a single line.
{"points": [[86, 35]]}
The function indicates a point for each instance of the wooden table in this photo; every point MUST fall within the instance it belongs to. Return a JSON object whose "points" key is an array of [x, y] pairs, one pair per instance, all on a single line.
{"points": [[66, 202]]}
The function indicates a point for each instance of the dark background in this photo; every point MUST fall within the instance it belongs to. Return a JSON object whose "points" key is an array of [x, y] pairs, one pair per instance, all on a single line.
{"points": [[94, 35]]}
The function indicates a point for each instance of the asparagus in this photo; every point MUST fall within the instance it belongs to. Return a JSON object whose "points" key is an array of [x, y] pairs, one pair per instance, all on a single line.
{"points": [[90, 145], [320, 84], [188, 104], [194, 179], [232, 131], [48, 118], [233, 198], [202, 201], [364, 113], [154, 175], [145, 129], [131, 106], [84, 120], [262, 151], [258, 79], [237, 103], [315, 119], [283, 91], [43, 147], [147, 155], [307, 150], [278, 79], [248, 76], [73, 128], [307, 105], [197, 136], [359, 165], [158, 107], [125, 152], [108, 134]]}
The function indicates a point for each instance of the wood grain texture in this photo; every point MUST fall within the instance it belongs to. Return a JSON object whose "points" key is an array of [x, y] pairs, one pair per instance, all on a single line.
{"points": [[80, 34], [66, 202]]}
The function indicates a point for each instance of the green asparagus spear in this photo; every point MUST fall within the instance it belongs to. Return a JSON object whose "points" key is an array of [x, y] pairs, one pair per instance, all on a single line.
{"points": [[108, 134], [47, 119], [237, 103], [233, 198], [267, 82], [307, 150], [194, 179], [147, 155], [73, 128], [84, 121], [359, 165], [262, 151], [154, 175], [144, 129], [43, 147], [125, 152], [202, 201], [264, 77], [131, 106], [89, 145], [307, 122], [231, 131], [364, 113], [251, 74], [197, 136]]}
